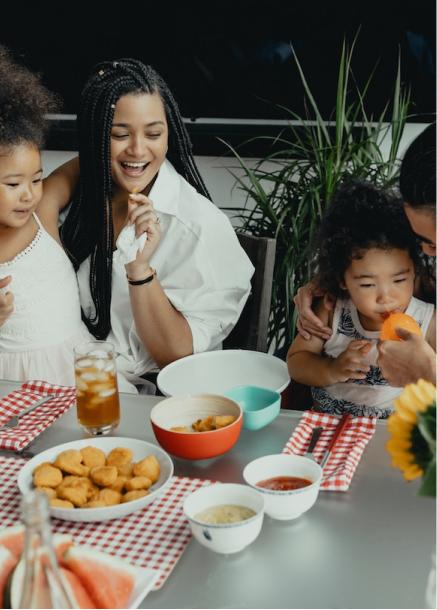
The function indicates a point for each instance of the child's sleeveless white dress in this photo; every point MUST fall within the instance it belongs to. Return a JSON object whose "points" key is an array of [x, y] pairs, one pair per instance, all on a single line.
{"points": [[37, 340]]}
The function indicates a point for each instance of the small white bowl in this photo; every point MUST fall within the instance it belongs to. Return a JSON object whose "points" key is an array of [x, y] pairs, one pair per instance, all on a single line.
{"points": [[290, 504], [231, 537]]}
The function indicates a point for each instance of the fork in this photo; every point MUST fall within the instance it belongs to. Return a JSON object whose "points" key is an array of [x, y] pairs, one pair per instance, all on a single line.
{"points": [[14, 421]]}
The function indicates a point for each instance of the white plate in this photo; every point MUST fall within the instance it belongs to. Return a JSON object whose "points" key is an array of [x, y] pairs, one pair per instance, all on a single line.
{"points": [[143, 584], [141, 450], [219, 371]]}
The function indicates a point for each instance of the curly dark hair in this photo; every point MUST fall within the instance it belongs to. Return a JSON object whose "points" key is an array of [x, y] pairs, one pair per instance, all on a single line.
{"points": [[88, 228], [24, 103], [417, 180], [359, 217]]}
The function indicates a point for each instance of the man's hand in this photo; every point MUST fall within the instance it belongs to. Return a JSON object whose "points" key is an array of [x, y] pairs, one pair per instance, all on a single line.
{"points": [[407, 361], [308, 323]]}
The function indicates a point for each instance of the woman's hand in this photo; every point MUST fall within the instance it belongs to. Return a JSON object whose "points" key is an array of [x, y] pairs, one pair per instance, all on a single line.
{"points": [[308, 323], [142, 214], [348, 365], [407, 361], [6, 300]]}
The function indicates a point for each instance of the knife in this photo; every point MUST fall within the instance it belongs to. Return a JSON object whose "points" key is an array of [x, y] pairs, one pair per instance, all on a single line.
{"points": [[339, 429], [313, 441]]}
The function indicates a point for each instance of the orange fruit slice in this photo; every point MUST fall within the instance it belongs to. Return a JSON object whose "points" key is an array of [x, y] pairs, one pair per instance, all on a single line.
{"points": [[388, 332]]}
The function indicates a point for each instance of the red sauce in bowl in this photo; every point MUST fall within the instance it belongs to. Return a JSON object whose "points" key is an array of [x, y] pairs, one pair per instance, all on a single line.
{"points": [[284, 483]]}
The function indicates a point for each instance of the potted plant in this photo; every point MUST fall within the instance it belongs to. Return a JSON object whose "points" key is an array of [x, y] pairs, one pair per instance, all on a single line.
{"points": [[287, 191]]}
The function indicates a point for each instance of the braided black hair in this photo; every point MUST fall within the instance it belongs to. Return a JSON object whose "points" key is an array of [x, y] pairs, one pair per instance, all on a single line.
{"points": [[24, 103], [359, 217], [88, 228]]}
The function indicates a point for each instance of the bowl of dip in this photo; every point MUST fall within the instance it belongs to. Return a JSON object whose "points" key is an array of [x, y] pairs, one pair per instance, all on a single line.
{"points": [[225, 517], [289, 483]]}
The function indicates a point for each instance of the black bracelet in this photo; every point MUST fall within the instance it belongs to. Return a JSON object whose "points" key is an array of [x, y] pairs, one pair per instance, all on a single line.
{"points": [[146, 280]]}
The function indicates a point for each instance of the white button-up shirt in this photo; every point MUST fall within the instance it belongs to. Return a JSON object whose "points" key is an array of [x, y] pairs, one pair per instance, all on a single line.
{"points": [[201, 266]]}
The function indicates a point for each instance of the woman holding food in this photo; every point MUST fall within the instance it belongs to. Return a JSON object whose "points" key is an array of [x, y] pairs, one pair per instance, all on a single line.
{"points": [[160, 270]]}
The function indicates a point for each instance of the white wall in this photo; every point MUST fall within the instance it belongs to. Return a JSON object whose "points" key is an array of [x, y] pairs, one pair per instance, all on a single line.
{"points": [[216, 171]]}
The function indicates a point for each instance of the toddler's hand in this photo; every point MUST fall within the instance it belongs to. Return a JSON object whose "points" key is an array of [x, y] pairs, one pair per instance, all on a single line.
{"points": [[348, 365]]}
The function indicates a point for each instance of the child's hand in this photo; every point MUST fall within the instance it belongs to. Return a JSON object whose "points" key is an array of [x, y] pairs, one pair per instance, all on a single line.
{"points": [[348, 365], [6, 300]]}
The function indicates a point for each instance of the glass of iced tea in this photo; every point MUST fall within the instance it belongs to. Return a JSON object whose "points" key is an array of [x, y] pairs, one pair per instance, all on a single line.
{"points": [[98, 406]]}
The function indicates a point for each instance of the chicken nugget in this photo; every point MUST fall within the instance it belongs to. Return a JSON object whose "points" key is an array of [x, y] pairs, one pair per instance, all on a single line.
{"points": [[76, 495], [127, 470], [179, 429], [70, 461], [68, 481], [149, 467], [80, 483], [134, 495], [93, 456], [221, 421], [110, 497], [49, 491], [119, 483], [42, 466], [47, 476], [204, 425], [119, 456], [94, 504], [61, 503], [103, 475], [138, 483]]}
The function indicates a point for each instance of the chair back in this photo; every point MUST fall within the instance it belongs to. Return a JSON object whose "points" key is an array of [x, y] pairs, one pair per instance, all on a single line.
{"points": [[251, 330]]}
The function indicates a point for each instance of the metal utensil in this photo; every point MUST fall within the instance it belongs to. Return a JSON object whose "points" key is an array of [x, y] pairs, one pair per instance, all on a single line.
{"points": [[13, 421], [339, 429], [313, 441]]}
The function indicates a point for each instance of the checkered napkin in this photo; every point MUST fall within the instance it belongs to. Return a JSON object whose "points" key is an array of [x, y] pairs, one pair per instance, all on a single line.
{"points": [[39, 419], [340, 468], [154, 537]]}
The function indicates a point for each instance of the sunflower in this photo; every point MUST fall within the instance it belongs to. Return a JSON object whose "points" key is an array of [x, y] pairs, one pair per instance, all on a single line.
{"points": [[413, 429]]}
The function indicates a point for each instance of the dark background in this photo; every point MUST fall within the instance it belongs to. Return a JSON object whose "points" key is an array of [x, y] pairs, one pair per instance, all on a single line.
{"points": [[232, 59]]}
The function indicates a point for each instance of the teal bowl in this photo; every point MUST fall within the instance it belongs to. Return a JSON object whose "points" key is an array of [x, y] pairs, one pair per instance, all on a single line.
{"points": [[260, 405]]}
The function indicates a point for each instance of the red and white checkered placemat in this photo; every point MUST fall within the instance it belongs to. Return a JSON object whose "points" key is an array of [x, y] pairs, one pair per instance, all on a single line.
{"points": [[340, 468], [154, 537], [39, 419]]}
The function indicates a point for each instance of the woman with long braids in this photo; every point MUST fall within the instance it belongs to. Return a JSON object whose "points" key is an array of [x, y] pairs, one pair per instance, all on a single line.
{"points": [[161, 273]]}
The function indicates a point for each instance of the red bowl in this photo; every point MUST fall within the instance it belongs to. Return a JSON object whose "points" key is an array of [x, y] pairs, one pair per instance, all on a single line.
{"points": [[186, 409]]}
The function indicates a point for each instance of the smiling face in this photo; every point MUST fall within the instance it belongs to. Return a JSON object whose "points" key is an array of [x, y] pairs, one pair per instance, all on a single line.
{"points": [[423, 223], [139, 139], [379, 283], [20, 185]]}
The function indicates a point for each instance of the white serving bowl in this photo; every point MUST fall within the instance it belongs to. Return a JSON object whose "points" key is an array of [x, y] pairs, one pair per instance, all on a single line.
{"points": [[291, 504], [141, 449], [225, 538]]}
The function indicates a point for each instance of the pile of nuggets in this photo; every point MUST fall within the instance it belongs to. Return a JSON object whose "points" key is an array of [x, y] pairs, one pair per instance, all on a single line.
{"points": [[212, 422], [88, 478]]}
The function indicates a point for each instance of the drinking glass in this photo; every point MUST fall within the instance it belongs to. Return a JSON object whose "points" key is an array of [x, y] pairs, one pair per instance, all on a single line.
{"points": [[98, 405]]}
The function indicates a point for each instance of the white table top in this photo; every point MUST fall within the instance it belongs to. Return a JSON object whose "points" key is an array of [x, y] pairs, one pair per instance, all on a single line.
{"points": [[369, 547]]}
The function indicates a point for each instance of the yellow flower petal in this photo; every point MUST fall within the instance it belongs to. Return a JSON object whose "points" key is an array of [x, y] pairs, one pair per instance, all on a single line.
{"points": [[413, 472], [398, 427]]}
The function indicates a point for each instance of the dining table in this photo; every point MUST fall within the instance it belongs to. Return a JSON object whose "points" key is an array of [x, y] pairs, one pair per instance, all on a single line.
{"points": [[372, 546]]}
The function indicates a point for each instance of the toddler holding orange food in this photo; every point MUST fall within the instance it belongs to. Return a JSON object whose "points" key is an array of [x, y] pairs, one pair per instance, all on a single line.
{"points": [[366, 257]]}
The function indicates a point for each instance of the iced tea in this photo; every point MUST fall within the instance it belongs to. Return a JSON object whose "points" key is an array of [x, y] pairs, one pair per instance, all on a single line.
{"points": [[98, 407]]}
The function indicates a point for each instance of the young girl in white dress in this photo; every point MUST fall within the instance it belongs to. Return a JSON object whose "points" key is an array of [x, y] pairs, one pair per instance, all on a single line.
{"points": [[39, 282]]}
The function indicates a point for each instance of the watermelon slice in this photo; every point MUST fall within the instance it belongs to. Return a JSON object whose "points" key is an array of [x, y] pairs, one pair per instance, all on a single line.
{"points": [[13, 539], [76, 589], [108, 579], [8, 561]]}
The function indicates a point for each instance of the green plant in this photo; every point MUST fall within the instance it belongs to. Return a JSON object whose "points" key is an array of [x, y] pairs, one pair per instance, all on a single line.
{"points": [[287, 191]]}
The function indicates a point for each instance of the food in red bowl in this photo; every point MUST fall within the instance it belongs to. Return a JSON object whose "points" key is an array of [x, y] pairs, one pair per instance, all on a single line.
{"points": [[176, 421]]}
